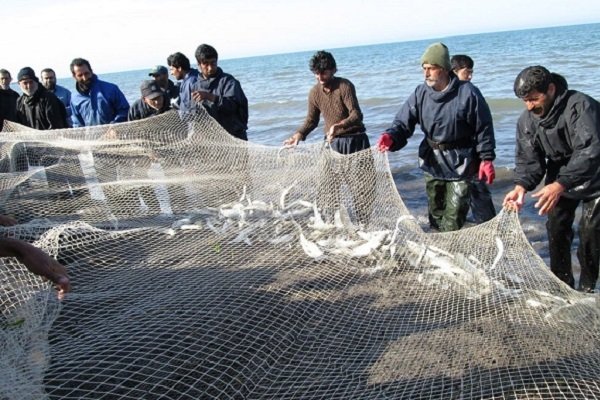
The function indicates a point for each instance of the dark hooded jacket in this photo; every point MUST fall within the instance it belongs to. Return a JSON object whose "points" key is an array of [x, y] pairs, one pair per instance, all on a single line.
{"points": [[458, 129], [230, 108], [41, 111], [564, 146], [8, 105], [140, 110]]}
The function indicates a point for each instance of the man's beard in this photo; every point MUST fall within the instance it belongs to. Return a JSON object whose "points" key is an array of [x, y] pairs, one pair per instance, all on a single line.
{"points": [[431, 82], [85, 86], [29, 92]]}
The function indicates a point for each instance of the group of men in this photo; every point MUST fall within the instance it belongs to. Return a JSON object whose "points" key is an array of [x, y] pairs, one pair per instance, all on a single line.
{"points": [[47, 105], [558, 136], [97, 102]]}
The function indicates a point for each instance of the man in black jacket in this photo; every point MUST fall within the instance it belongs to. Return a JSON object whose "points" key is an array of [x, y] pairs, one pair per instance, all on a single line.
{"points": [[37, 107], [558, 137], [8, 98], [220, 93], [153, 102]]}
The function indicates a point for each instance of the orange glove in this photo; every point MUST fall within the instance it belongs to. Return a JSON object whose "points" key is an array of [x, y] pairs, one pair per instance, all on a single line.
{"points": [[385, 142], [486, 170]]}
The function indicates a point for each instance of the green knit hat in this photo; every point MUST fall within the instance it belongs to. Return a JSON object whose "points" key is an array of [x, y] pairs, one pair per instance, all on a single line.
{"points": [[437, 54]]}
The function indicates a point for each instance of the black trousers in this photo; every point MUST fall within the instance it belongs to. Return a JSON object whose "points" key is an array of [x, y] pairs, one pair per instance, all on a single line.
{"points": [[560, 239], [482, 206]]}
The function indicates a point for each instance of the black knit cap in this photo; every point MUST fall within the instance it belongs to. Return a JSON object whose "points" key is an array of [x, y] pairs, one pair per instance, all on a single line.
{"points": [[26, 73]]}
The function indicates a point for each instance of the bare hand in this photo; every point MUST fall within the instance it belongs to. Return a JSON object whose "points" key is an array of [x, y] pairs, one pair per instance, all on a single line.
{"points": [[111, 134], [333, 132], [201, 95], [293, 140], [548, 197], [6, 220], [42, 264], [515, 198]]}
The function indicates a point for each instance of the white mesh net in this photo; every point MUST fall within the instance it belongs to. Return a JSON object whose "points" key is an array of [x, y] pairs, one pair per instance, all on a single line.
{"points": [[207, 267]]}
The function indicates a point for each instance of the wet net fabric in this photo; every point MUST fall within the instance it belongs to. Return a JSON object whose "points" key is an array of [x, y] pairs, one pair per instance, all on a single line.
{"points": [[204, 267]]}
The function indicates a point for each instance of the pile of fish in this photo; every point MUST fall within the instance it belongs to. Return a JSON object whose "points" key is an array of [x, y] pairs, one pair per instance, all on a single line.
{"points": [[300, 222]]}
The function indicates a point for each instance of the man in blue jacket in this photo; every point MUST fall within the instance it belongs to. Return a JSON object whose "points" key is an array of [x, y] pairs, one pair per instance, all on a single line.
{"points": [[220, 93], [48, 79], [457, 124], [187, 76], [95, 102]]}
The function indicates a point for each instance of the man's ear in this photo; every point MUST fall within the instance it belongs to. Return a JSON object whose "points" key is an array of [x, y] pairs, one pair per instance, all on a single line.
{"points": [[551, 89]]}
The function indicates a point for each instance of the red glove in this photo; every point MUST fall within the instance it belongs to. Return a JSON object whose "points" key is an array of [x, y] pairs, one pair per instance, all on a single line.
{"points": [[486, 170], [385, 142]]}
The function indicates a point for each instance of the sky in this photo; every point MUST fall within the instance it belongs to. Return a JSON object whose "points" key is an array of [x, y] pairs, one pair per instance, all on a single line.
{"points": [[122, 35]]}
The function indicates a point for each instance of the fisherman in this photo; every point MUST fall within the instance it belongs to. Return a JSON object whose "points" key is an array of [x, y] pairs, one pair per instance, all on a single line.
{"points": [[8, 98], [558, 138], [95, 102], [457, 124], [152, 102], [38, 108], [220, 93], [335, 98], [187, 76], [480, 198], [48, 79], [160, 74]]}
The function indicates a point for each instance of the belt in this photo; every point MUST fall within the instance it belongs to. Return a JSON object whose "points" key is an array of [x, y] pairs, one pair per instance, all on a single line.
{"points": [[459, 144]]}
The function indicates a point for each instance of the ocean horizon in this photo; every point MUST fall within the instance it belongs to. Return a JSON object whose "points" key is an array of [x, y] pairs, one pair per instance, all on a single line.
{"points": [[385, 74]]}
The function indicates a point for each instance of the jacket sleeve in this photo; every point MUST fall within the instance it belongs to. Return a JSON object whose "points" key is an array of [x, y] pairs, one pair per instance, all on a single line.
{"points": [[584, 132], [76, 118], [56, 113], [530, 160], [121, 106], [231, 99], [404, 122], [484, 127]]}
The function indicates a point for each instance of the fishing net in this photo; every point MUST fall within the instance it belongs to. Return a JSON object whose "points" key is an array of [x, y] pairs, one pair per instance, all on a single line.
{"points": [[204, 267]]}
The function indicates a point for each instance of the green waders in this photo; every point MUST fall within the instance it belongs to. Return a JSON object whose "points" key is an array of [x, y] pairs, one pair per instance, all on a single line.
{"points": [[448, 203]]}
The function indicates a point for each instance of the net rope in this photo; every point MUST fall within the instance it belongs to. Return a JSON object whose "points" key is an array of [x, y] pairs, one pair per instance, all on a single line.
{"points": [[204, 267]]}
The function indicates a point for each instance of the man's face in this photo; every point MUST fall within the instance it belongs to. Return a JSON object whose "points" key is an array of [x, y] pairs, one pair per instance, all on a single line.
{"points": [[325, 77], [464, 74], [156, 102], [82, 73], [208, 67], [161, 79], [436, 77], [540, 103], [49, 80], [177, 72], [28, 86], [5, 80]]}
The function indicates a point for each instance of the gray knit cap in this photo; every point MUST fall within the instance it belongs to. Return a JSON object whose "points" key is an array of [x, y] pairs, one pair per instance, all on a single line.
{"points": [[437, 54]]}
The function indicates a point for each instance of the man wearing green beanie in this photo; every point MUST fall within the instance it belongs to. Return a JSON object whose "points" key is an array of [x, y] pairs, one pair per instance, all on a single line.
{"points": [[457, 124]]}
